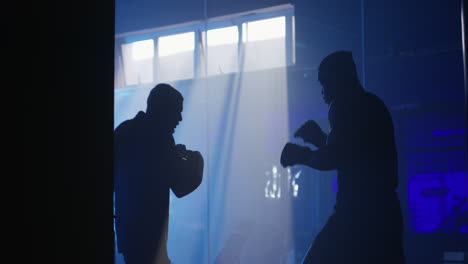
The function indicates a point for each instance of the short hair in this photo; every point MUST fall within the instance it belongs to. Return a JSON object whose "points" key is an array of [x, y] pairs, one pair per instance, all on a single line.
{"points": [[339, 65], [162, 96]]}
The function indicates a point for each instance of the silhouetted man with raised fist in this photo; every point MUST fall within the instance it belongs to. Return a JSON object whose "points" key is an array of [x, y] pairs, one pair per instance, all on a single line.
{"points": [[148, 164], [366, 226]]}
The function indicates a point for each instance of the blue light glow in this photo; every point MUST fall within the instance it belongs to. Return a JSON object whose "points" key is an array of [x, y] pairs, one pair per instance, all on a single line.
{"points": [[437, 202], [449, 132]]}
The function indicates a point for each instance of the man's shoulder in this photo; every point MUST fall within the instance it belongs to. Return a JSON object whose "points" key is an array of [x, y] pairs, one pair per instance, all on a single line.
{"points": [[357, 106], [129, 124], [377, 111], [125, 128], [374, 99], [124, 125]]}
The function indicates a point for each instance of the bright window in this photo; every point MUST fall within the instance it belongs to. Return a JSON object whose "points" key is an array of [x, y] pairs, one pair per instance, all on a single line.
{"points": [[138, 62], [175, 44], [206, 48], [176, 57], [142, 50], [223, 36], [264, 44], [222, 50], [272, 28]]}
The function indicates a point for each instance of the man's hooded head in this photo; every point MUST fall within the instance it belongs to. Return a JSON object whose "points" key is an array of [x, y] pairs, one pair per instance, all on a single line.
{"points": [[337, 74], [165, 104]]}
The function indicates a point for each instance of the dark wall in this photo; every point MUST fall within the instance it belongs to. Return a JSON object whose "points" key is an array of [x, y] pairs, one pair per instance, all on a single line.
{"points": [[79, 140], [414, 62], [414, 51]]}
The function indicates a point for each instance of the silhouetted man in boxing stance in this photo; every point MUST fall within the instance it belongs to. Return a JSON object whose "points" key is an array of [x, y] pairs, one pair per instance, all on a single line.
{"points": [[147, 164], [366, 226]]}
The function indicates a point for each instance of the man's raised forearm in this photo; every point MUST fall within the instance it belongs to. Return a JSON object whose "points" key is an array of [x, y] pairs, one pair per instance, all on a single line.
{"points": [[322, 159]]}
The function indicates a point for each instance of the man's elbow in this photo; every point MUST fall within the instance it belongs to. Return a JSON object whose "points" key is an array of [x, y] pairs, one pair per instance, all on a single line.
{"points": [[320, 165]]}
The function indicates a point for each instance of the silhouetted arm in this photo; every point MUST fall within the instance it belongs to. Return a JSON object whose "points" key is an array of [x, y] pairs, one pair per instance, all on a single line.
{"points": [[311, 133], [323, 159], [338, 146], [187, 172]]}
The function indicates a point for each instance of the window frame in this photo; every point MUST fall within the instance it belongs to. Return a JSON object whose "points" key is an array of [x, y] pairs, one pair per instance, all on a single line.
{"points": [[200, 29]]}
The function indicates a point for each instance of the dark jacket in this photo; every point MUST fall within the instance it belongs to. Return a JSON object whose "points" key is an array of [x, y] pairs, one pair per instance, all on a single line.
{"points": [[147, 166]]}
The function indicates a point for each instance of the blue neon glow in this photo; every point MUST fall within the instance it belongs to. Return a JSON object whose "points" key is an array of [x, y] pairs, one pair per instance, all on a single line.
{"points": [[437, 202]]}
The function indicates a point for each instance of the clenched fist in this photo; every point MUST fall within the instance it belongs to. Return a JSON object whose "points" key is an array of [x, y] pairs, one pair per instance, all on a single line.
{"points": [[311, 132], [293, 154]]}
